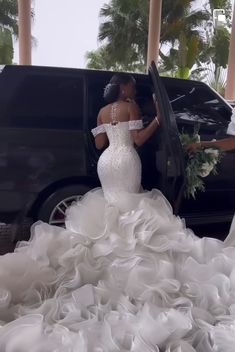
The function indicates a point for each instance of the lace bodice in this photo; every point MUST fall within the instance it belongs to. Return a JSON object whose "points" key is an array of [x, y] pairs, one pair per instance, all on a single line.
{"points": [[119, 167], [119, 134]]}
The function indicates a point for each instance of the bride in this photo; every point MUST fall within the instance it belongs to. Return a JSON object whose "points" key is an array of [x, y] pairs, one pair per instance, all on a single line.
{"points": [[125, 274]]}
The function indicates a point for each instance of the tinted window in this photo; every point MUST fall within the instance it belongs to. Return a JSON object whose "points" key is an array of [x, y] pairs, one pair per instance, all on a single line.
{"points": [[145, 102], [198, 104], [46, 101], [95, 99]]}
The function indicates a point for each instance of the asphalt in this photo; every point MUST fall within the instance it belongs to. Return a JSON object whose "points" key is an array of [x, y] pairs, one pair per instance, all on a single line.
{"points": [[6, 242]]}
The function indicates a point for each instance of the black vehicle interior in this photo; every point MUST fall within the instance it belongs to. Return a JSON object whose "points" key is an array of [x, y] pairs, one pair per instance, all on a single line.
{"points": [[143, 99], [198, 105]]}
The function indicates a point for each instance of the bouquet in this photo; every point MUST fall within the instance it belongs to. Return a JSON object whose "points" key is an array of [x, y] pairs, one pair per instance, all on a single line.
{"points": [[199, 164]]}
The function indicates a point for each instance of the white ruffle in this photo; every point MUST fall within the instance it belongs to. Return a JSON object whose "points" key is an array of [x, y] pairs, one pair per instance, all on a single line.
{"points": [[97, 130], [135, 125], [134, 280]]}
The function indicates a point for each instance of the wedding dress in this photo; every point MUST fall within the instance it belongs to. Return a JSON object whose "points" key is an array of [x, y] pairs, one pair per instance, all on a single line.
{"points": [[124, 275]]}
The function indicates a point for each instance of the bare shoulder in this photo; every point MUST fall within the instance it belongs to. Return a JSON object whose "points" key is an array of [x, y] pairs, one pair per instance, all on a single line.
{"points": [[103, 109], [101, 114]]}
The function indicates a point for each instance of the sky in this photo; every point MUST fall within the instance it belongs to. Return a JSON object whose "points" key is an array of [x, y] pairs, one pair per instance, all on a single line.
{"points": [[65, 30]]}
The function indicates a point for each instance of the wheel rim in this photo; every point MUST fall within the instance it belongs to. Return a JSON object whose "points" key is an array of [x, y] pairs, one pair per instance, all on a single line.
{"points": [[57, 216]]}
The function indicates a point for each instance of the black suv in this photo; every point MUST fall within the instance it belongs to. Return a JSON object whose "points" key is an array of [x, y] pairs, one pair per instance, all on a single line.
{"points": [[47, 152]]}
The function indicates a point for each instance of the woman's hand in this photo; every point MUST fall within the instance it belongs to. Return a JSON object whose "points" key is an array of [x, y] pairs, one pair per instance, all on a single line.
{"points": [[193, 147]]}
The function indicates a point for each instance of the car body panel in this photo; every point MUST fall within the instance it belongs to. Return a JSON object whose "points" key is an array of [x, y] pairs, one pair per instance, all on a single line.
{"points": [[46, 115]]}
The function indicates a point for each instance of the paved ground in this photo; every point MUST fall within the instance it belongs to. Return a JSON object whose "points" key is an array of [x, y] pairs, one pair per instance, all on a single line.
{"points": [[7, 234], [6, 244]]}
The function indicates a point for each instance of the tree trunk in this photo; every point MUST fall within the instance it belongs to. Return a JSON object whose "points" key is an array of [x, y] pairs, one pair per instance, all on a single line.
{"points": [[155, 15], [24, 9]]}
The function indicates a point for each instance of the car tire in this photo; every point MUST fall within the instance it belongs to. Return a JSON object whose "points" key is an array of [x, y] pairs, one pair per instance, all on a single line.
{"points": [[52, 209]]}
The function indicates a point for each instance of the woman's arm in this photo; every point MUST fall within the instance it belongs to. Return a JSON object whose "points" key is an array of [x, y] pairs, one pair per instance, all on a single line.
{"points": [[141, 136], [225, 144], [101, 139]]}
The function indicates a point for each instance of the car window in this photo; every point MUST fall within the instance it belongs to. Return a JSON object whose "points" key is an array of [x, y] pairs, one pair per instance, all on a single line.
{"points": [[95, 98], [145, 102], [46, 101], [198, 104]]}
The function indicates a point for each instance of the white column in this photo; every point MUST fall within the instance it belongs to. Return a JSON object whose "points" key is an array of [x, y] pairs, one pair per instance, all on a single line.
{"points": [[155, 16], [24, 21], [230, 85]]}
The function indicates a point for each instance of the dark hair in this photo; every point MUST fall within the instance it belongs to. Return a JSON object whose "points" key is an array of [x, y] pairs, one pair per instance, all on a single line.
{"points": [[112, 90]]}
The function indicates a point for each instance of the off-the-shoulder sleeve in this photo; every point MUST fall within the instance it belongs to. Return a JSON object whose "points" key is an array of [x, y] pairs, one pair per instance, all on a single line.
{"points": [[99, 129], [135, 125], [231, 126]]}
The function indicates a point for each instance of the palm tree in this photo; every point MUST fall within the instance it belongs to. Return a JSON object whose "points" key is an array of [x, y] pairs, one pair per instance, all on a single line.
{"points": [[179, 17], [181, 60], [9, 14], [215, 55], [8, 28], [221, 4], [6, 47], [124, 32], [101, 59], [182, 29]]}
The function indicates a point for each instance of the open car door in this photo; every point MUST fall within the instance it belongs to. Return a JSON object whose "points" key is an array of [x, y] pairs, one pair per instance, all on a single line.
{"points": [[170, 156]]}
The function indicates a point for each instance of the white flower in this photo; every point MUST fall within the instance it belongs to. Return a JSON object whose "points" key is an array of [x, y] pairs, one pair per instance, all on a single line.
{"points": [[206, 169], [212, 151], [198, 138]]}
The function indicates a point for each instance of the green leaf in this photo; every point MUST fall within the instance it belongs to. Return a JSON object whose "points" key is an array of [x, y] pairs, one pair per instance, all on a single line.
{"points": [[195, 164], [6, 47]]}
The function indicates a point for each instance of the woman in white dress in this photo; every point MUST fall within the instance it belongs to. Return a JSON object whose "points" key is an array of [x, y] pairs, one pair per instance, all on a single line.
{"points": [[125, 274]]}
